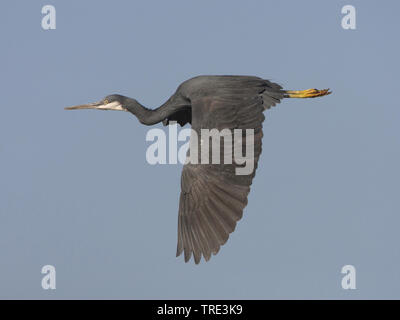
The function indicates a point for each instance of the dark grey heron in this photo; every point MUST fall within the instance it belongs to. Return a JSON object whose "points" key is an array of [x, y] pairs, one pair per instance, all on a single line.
{"points": [[212, 196]]}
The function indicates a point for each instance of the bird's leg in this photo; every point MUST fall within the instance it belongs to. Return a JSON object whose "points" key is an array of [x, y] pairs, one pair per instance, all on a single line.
{"points": [[309, 93]]}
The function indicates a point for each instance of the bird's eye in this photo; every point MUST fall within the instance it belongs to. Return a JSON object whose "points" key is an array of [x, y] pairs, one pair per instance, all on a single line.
{"points": [[105, 101]]}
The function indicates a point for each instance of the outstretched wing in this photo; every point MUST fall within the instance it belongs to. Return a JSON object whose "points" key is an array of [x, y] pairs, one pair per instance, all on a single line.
{"points": [[213, 196]]}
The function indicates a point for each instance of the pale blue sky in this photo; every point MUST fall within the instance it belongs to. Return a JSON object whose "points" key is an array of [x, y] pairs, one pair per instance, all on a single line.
{"points": [[76, 191]]}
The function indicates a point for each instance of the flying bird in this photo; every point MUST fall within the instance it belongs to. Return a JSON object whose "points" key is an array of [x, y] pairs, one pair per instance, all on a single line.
{"points": [[212, 196]]}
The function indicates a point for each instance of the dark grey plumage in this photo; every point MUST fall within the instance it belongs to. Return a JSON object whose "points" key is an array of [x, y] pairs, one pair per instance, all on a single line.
{"points": [[212, 196]]}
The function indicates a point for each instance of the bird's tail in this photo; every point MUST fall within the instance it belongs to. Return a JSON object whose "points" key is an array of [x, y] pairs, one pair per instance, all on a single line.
{"points": [[309, 93]]}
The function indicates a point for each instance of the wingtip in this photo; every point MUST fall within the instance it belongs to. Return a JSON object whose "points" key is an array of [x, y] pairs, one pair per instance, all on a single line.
{"points": [[197, 259], [179, 251]]}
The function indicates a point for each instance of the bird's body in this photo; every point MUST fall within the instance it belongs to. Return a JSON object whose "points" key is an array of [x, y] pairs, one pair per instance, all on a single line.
{"points": [[213, 196]]}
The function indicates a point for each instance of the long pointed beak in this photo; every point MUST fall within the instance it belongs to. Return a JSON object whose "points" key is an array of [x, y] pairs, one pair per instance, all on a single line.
{"points": [[115, 105]]}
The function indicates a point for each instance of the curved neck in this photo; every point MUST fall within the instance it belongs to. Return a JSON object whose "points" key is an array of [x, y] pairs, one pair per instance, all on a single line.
{"points": [[148, 116]]}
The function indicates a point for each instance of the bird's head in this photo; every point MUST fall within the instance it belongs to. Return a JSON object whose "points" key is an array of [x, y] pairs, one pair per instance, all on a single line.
{"points": [[111, 102]]}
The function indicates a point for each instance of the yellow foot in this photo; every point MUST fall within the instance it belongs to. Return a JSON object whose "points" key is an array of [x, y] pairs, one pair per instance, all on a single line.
{"points": [[309, 93]]}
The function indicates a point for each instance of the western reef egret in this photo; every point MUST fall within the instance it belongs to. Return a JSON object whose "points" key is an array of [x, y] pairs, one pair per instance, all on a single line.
{"points": [[212, 195]]}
